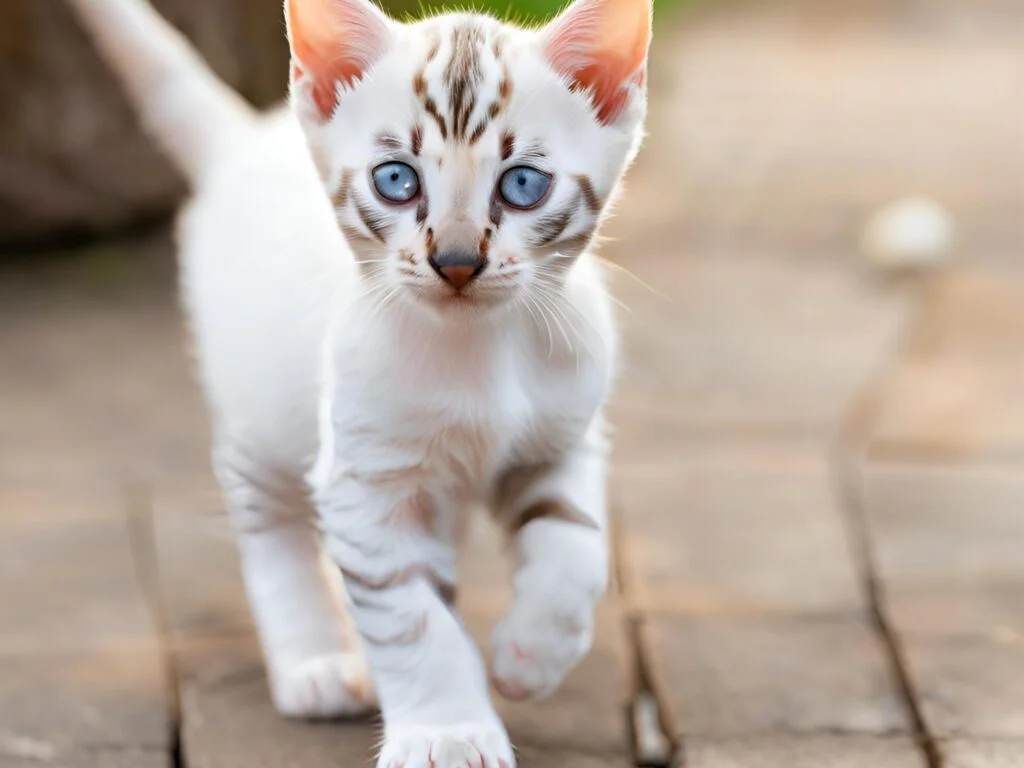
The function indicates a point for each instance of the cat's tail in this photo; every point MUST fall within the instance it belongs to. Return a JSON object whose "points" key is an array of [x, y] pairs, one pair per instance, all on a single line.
{"points": [[181, 102]]}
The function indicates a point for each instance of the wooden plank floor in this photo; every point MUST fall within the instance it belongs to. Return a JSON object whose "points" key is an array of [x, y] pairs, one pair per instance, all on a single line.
{"points": [[819, 479]]}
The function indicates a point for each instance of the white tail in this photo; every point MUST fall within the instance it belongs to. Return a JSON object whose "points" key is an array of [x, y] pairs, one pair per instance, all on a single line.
{"points": [[181, 103]]}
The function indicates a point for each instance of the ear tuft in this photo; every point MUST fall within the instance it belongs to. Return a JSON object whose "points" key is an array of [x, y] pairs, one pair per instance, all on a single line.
{"points": [[333, 43], [601, 46]]}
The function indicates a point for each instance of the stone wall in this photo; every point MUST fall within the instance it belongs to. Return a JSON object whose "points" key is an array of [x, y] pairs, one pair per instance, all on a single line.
{"points": [[72, 158]]}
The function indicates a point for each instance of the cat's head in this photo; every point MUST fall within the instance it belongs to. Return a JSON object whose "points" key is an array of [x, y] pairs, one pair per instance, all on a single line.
{"points": [[469, 161]]}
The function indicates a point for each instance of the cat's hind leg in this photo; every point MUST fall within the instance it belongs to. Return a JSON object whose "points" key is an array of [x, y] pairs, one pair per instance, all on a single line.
{"points": [[315, 665], [557, 521]]}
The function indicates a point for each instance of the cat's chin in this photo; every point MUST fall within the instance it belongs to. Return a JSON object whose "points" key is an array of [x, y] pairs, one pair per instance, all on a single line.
{"points": [[444, 301]]}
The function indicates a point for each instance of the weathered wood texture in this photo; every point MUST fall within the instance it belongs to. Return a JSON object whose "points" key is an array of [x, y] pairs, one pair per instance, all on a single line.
{"points": [[82, 676], [72, 157]]}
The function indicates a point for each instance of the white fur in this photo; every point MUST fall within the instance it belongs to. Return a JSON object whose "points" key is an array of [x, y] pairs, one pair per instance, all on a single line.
{"points": [[424, 409]]}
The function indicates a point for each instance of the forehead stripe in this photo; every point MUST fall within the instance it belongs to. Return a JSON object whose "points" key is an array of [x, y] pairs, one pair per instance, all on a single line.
{"points": [[431, 107], [478, 132], [462, 76]]}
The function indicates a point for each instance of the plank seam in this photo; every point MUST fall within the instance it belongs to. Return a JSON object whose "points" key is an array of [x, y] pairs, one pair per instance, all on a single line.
{"points": [[648, 718], [851, 501], [145, 556]]}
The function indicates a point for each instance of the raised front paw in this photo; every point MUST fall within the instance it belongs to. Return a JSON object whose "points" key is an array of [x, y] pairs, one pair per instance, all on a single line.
{"points": [[466, 745], [535, 647]]}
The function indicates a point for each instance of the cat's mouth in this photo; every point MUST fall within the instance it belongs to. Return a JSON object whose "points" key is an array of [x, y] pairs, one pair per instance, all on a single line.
{"points": [[442, 296]]}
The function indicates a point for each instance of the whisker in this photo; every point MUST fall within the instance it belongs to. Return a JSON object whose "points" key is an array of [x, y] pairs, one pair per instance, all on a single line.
{"points": [[547, 303], [530, 303], [559, 307], [545, 270], [622, 269]]}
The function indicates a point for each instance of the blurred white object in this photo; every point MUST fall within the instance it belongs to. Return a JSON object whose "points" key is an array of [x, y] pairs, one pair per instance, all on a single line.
{"points": [[912, 233]]}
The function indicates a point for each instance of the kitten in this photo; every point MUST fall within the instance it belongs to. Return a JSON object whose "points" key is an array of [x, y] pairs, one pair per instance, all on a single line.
{"points": [[397, 320]]}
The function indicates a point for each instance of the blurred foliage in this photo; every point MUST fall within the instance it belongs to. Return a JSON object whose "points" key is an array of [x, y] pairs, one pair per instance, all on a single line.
{"points": [[525, 12]]}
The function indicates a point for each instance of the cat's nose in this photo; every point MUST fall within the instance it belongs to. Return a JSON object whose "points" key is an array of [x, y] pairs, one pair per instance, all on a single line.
{"points": [[457, 267]]}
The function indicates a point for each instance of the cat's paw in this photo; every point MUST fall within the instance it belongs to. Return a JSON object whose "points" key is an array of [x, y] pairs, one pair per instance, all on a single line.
{"points": [[468, 745], [332, 685], [534, 648]]}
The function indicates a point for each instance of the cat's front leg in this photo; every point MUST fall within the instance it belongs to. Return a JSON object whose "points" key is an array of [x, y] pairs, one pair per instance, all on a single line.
{"points": [[314, 664], [430, 679], [557, 519]]}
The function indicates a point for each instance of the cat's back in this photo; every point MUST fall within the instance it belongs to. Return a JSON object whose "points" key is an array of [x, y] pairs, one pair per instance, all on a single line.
{"points": [[261, 258]]}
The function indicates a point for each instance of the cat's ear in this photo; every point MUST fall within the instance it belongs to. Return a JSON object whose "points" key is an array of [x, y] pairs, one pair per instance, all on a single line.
{"points": [[601, 47], [333, 44]]}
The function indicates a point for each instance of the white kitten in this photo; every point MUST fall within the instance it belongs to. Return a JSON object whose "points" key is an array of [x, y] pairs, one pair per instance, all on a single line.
{"points": [[459, 337]]}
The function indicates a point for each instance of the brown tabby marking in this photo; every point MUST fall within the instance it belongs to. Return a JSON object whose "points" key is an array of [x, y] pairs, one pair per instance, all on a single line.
{"points": [[353, 234], [397, 578], [550, 510], [485, 242], [496, 212], [495, 109], [340, 197], [435, 46], [534, 151], [410, 636], [390, 142], [508, 145], [552, 226], [367, 603], [374, 222], [463, 73], [416, 140], [478, 132], [575, 243], [431, 107], [447, 594], [462, 76], [417, 515], [590, 197], [422, 209]]}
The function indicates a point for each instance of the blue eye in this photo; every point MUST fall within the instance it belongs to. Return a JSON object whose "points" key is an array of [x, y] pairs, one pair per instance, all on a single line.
{"points": [[523, 187], [396, 182]]}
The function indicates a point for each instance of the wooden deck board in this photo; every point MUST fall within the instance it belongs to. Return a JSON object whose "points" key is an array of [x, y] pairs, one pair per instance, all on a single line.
{"points": [[742, 527], [725, 678], [803, 752], [82, 676]]}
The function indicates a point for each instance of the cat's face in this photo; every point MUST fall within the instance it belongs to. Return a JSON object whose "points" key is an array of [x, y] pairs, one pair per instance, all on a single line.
{"points": [[468, 161]]}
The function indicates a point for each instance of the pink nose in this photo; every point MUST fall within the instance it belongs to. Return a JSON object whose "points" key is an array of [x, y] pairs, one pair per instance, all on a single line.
{"points": [[459, 277], [457, 268]]}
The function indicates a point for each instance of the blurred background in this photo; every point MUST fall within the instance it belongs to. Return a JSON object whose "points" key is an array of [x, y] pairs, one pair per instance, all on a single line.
{"points": [[819, 475]]}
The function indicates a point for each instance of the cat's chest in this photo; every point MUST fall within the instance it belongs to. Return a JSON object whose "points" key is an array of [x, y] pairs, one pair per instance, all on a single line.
{"points": [[459, 425], [471, 429]]}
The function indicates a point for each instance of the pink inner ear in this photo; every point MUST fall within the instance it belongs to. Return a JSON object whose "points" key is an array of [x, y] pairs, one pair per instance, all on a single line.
{"points": [[333, 42], [602, 46]]}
